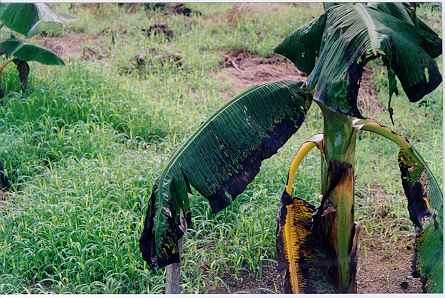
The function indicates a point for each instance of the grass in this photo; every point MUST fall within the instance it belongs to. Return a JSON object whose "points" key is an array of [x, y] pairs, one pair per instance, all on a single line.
{"points": [[83, 146]]}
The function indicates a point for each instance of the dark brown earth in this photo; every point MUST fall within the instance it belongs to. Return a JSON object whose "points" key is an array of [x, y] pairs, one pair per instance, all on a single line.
{"points": [[385, 266], [248, 283], [243, 70]]}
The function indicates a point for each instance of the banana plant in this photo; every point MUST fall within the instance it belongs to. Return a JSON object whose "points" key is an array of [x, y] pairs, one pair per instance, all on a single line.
{"points": [[316, 245], [26, 19]]}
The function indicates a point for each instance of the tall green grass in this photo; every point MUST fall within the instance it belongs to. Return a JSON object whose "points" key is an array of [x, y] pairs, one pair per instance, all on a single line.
{"points": [[71, 111]]}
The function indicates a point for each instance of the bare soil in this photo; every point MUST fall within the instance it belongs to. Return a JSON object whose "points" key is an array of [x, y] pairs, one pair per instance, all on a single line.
{"points": [[247, 283], [368, 102], [385, 266], [74, 45], [243, 69]]}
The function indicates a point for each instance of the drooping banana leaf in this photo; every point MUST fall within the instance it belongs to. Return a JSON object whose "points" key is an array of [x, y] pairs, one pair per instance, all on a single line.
{"points": [[405, 13], [15, 48], [355, 33], [25, 18], [303, 261], [220, 160], [429, 258], [402, 11], [302, 47], [425, 205], [425, 199]]}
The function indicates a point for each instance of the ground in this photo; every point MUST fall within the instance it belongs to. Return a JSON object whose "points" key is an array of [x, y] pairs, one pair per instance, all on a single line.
{"points": [[83, 146]]}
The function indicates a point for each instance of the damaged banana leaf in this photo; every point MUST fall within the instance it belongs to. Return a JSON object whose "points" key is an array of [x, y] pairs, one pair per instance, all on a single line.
{"points": [[425, 205], [347, 36], [303, 46], [305, 260], [220, 160]]}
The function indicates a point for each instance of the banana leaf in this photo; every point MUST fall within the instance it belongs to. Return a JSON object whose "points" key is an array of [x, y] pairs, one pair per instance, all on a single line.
{"points": [[18, 49], [303, 261], [302, 47], [355, 33], [25, 18], [425, 205], [219, 161]]}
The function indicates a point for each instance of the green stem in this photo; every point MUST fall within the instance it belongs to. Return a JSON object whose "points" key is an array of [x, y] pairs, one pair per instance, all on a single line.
{"points": [[338, 194]]}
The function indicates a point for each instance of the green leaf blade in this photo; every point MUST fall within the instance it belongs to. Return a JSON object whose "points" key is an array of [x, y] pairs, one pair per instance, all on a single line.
{"points": [[220, 160], [25, 18], [302, 46], [353, 34], [18, 49], [20, 17]]}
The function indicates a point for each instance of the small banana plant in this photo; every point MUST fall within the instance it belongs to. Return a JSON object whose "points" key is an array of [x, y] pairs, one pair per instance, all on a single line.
{"points": [[316, 245], [26, 19]]}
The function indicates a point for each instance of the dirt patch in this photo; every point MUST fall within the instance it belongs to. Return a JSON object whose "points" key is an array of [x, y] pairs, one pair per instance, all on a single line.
{"points": [[368, 102], [386, 252], [247, 283], [243, 70], [385, 266], [74, 45]]}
